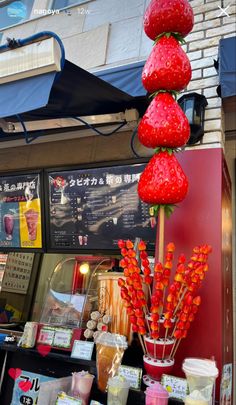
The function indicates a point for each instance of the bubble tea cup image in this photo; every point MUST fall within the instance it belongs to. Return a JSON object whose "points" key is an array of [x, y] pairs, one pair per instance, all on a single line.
{"points": [[31, 217], [110, 349], [8, 222]]}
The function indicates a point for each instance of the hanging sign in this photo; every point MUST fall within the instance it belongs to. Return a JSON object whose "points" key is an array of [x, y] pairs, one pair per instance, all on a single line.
{"points": [[20, 212], [94, 208]]}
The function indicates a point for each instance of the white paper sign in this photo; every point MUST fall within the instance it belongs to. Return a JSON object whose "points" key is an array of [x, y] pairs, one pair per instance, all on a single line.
{"points": [[17, 272], [62, 337], [82, 350], [176, 387], [131, 374]]}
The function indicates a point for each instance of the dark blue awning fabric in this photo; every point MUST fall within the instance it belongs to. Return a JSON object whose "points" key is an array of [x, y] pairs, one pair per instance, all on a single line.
{"points": [[126, 78], [26, 94], [227, 67], [75, 92]]}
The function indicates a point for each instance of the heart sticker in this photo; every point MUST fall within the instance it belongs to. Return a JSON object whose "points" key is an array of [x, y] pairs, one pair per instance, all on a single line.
{"points": [[14, 373], [25, 385], [44, 349]]}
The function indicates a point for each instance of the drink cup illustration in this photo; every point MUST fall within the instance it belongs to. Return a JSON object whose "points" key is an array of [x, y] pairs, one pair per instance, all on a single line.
{"points": [[113, 199], [115, 221], [8, 222], [81, 240], [153, 222], [31, 217]]}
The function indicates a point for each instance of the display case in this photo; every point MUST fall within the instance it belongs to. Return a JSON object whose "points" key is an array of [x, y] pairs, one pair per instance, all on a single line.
{"points": [[71, 296]]}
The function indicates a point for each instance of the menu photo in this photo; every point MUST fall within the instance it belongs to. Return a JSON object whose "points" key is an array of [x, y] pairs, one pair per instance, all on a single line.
{"points": [[20, 212]]}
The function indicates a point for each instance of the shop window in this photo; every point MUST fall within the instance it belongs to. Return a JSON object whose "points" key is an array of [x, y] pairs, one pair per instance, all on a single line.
{"points": [[15, 12], [58, 4]]}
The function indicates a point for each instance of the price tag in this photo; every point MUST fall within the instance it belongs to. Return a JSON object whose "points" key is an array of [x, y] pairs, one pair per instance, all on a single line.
{"points": [[62, 337], [82, 350], [176, 387], [131, 374], [46, 335]]}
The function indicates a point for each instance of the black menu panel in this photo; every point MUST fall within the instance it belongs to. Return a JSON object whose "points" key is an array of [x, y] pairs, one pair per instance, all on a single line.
{"points": [[93, 208]]}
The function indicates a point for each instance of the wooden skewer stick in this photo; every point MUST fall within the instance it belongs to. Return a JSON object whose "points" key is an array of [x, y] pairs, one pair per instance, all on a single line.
{"points": [[174, 330], [173, 348], [141, 342], [180, 300], [176, 348], [145, 345], [164, 347], [155, 349], [150, 292], [161, 233], [146, 312]]}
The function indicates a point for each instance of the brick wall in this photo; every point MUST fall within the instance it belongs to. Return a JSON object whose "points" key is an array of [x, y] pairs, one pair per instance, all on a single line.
{"points": [[202, 49]]}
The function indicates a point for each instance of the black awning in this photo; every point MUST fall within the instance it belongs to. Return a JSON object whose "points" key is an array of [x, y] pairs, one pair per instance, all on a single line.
{"points": [[75, 92], [127, 78]]}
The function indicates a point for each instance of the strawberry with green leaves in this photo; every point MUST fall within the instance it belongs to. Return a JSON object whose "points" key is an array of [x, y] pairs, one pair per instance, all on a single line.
{"points": [[167, 67], [174, 16], [163, 181], [164, 124]]}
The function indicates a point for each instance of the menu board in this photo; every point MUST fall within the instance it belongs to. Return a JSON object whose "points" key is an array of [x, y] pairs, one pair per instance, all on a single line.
{"points": [[20, 212], [94, 208]]}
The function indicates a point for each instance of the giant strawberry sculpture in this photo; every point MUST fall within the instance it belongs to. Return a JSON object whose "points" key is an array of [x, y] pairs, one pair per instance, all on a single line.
{"points": [[167, 67], [164, 125], [168, 16], [163, 180]]}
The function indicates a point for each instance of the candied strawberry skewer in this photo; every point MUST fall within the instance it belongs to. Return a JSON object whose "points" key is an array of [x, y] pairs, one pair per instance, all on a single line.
{"points": [[188, 314], [131, 288], [164, 125]]}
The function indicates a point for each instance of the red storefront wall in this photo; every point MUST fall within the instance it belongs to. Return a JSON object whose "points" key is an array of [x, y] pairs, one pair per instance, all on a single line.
{"points": [[205, 217]]}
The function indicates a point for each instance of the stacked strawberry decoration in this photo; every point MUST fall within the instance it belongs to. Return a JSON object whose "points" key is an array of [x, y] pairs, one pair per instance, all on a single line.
{"points": [[164, 127]]}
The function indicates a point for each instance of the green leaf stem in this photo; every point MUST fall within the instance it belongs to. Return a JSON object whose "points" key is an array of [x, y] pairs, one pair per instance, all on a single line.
{"points": [[168, 208], [172, 92], [176, 35]]}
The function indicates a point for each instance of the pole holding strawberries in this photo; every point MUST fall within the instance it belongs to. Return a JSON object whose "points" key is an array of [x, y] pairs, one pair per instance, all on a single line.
{"points": [[164, 127]]}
